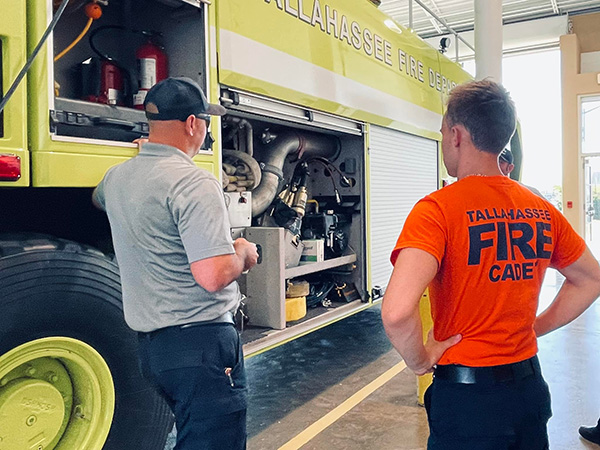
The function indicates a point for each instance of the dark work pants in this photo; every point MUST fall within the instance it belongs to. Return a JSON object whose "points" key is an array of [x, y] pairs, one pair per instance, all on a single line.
{"points": [[189, 366], [510, 415]]}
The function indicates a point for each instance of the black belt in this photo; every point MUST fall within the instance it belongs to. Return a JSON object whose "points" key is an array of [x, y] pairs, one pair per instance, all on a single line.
{"points": [[489, 375], [225, 319]]}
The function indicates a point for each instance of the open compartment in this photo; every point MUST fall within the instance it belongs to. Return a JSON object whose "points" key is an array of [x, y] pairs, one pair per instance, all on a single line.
{"points": [[100, 84], [302, 185]]}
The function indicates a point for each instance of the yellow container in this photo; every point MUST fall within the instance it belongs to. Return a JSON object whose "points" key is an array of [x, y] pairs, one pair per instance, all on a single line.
{"points": [[424, 381], [295, 308]]}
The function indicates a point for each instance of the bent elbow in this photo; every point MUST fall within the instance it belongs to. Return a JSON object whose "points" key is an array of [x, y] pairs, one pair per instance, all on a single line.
{"points": [[213, 284], [212, 287], [393, 320], [394, 317]]}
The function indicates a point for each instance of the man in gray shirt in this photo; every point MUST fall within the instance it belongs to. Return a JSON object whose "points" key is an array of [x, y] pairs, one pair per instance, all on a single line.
{"points": [[506, 164], [178, 266]]}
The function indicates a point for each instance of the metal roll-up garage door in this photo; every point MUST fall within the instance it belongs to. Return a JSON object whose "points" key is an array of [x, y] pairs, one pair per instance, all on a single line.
{"points": [[403, 169]]}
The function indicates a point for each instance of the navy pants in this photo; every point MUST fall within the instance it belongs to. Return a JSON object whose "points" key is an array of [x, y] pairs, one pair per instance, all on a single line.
{"points": [[510, 415], [199, 370]]}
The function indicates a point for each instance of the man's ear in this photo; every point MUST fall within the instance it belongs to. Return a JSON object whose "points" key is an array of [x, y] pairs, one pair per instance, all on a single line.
{"points": [[457, 135], [460, 135], [191, 125]]}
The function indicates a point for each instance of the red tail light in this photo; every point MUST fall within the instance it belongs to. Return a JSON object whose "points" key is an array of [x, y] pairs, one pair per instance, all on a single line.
{"points": [[10, 167]]}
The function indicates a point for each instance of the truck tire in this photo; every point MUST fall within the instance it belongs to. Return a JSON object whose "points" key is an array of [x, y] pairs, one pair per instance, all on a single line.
{"points": [[64, 346]]}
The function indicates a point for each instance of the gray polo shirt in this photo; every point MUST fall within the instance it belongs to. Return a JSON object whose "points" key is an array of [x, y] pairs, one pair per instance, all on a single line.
{"points": [[166, 213]]}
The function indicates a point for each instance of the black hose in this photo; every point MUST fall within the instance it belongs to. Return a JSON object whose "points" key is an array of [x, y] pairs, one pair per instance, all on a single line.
{"points": [[35, 52], [331, 166], [105, 57], [316, 296], [328, 166], [95, 32]]}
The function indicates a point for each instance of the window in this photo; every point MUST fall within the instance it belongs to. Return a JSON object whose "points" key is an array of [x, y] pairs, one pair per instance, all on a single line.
{"points": [[590, 118]]}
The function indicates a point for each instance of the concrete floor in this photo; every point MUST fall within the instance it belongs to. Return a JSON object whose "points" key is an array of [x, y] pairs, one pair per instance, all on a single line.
{"points": [[571, 362], [294, 386]]}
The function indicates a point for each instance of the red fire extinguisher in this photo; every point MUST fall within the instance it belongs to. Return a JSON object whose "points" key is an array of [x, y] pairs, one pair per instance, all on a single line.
{"points": [[102, 81], [111, 84], [152, 68]]}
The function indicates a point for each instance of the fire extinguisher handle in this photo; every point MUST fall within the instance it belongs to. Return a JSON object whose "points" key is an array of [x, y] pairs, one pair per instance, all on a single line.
{"points": [[109, 121]]}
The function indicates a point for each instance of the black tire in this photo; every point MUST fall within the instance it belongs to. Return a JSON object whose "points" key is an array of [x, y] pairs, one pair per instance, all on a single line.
{"points": [[55, 287]]}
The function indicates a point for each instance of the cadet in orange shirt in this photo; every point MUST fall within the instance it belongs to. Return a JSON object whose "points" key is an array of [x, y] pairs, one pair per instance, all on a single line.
{"points": [[482, 245]]}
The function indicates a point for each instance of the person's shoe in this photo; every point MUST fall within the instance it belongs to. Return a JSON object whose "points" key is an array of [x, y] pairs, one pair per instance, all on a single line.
{"points": [[591, 434]]}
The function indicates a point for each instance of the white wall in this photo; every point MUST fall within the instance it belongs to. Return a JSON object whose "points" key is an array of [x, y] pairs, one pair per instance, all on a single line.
{"points": [[590, 62]]}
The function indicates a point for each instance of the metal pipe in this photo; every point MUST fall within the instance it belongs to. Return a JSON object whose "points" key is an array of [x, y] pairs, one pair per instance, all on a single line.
{"points": [[488, 39], [249, 136], [287, 143], [456, 43]]}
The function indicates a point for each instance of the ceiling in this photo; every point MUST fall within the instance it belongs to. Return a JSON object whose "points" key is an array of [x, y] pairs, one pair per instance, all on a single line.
{"points": [[459, 13]]}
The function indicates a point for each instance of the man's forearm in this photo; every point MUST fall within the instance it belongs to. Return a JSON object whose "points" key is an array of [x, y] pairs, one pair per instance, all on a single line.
{"points": [[407, 338], [215, 273], [570, 302], [233, 271]]}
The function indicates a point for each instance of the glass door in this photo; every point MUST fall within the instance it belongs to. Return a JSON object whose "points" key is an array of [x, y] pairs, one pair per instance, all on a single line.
{"points": [[588, 201], [590, 149]]}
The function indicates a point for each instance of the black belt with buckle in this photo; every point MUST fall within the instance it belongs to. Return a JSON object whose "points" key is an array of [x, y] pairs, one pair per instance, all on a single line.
{"points": [[455, 373]]}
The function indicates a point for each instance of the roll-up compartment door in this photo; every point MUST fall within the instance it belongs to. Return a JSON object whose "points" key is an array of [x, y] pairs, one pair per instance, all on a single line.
{"points": [[403, 169]]}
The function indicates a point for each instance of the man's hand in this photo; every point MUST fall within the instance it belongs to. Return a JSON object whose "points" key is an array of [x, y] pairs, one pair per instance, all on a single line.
{"points": [[140, 141], [434, 350], [247, 251], [96, 200]]}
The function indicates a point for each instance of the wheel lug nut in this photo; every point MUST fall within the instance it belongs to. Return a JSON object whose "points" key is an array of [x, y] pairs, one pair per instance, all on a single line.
{"points": [[78, 411], [52, 377]]}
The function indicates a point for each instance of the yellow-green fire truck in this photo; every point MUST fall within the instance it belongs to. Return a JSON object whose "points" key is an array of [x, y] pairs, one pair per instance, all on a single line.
{"points": [[332, 135]]}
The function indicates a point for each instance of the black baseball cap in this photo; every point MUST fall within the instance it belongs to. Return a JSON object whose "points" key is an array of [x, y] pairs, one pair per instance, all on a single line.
{"points": [[177, 99], [506, 155]]}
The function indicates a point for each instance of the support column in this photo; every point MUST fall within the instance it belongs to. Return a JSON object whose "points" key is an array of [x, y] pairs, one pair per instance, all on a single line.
{"points": [[488, 39]]}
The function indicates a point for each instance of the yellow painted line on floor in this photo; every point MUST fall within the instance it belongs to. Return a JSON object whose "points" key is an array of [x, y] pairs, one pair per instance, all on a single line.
{"points": [[332, 416]]}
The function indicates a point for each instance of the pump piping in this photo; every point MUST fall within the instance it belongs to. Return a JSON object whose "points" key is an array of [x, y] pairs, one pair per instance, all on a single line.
{"points": [[285, 144]]}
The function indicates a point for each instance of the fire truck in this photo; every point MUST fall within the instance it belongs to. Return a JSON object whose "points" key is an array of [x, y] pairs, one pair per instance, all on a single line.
{"points": [[332, 135]]}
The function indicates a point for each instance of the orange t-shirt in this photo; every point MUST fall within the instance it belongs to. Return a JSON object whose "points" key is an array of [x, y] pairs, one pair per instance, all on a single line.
{"points": [[493, 240]]}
